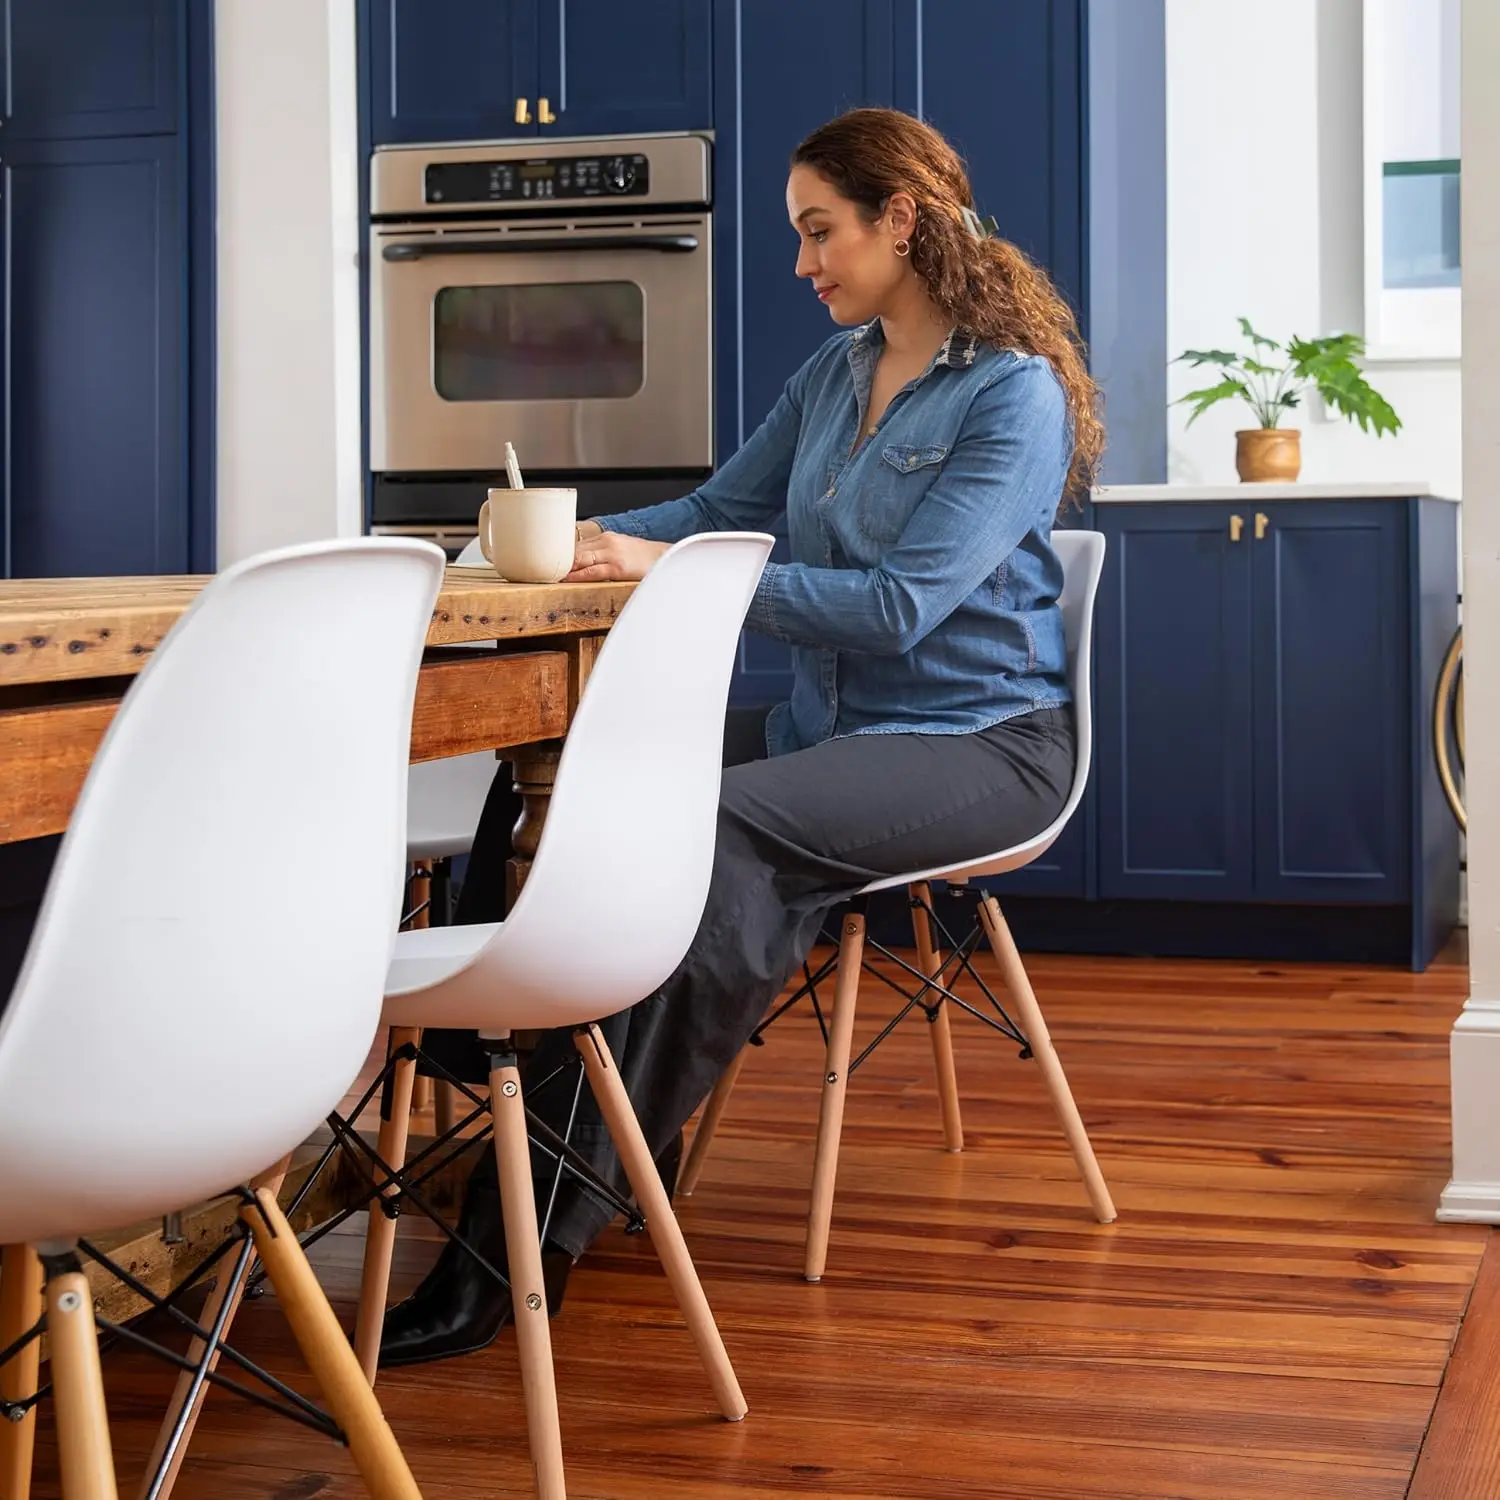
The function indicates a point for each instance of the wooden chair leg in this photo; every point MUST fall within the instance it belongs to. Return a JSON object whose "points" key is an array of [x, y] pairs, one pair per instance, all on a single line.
{"points": [[661, 1222], [222, 1292], [527, 1291], [446, 1100], [421, 899], [708, 1124], [835, 1082], [380, 1233], [83, 1451], [1013, 971], [930, 962], [328, 1355], [20, 1307]]}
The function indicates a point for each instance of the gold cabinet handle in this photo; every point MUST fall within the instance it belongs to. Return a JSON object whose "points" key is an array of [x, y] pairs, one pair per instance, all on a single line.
{"points": [[523, 112], [1236, 528], [1262, 521], [544, 112]]}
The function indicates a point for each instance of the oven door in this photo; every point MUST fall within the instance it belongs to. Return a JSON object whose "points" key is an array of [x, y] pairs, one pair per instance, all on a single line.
{"points": [[588, 344]]}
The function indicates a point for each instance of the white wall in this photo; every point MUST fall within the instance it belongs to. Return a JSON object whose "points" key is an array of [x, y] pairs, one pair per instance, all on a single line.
{"points": [[288, 277], [1264, 218], [1474, 1192]]}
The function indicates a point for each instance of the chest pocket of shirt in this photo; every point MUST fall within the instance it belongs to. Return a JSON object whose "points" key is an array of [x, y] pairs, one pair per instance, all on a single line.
{"points": [[905, 473]]}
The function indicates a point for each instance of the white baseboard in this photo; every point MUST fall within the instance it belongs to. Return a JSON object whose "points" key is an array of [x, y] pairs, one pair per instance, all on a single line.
{"points": [[1470, 1203]]}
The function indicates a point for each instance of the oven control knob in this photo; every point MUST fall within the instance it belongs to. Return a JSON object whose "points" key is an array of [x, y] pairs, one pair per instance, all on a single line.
{"points": [[619, 174]]}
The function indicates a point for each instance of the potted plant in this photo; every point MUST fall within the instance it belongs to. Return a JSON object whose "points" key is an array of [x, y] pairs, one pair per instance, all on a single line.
{"points": [[1271, 378]]}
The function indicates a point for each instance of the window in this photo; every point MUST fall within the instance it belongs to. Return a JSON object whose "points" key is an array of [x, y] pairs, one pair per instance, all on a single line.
{"points": [[1412, 171], [537, 342]]}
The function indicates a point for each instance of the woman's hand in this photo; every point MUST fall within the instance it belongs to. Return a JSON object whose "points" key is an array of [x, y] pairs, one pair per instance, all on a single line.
{"points": [[609, 557]]}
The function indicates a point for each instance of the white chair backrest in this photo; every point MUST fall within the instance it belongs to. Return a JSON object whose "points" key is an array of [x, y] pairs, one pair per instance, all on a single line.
{"points": [[620, 879], [444, 799], [1082, 556], [183, 1017]]}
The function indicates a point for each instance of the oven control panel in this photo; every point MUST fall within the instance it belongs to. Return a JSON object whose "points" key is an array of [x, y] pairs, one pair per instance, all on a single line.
{"points": [[537, 180]]}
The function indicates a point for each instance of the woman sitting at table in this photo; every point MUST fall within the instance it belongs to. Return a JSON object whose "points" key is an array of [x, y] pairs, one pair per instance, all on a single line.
{"points": [[916, 462]]}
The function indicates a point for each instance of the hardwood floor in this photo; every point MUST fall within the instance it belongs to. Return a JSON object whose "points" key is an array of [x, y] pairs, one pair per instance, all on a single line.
{"points": [[1270, 1317]]}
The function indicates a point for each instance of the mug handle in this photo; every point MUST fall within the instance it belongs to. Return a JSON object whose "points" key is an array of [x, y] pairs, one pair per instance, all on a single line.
{"points": [[484, 532]]}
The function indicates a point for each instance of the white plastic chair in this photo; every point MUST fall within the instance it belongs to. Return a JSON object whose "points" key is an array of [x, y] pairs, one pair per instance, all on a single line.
{"points": [[167, 1039], [633, 813], [1082, 557]]}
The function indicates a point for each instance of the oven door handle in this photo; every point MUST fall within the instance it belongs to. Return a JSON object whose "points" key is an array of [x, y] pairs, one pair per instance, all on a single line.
{"points": [[668, 244]]}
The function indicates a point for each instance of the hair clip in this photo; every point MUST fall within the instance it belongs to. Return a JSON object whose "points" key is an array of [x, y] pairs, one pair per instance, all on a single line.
{"points": [[981, 229]]}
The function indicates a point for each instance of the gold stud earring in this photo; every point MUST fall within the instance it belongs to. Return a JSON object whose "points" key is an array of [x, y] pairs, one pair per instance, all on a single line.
{"points": [[902, 247]]}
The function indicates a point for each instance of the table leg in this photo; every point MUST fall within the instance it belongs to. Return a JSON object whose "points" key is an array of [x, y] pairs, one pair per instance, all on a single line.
{"points": [[534, 770]]}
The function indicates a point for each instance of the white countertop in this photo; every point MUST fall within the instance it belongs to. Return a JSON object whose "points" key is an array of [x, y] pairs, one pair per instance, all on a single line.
{"points": [[1129, 494]]}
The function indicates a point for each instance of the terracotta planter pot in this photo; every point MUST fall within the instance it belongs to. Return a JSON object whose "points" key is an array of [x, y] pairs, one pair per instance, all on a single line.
{"points": [[1268, 453]]}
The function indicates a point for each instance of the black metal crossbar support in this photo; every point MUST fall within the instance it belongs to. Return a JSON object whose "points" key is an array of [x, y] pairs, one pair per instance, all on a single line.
{"points": [[932, 991]]}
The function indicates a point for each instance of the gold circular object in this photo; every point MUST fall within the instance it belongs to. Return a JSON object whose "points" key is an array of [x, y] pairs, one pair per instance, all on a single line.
{"points": [[1450, 688]]}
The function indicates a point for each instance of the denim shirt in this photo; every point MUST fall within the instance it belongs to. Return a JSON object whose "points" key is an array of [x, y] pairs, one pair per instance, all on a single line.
{"points": [[922, 591]]}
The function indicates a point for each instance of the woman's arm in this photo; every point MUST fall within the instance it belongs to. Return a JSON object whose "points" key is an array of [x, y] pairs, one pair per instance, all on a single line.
{"points": [[747, 494], [1002, 479]]}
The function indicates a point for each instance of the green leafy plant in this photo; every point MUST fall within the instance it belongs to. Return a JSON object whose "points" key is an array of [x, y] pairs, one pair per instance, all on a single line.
{"points": [[1271, 389]]}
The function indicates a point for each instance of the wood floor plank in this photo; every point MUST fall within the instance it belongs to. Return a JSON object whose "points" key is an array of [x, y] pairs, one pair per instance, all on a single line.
{"points": [[1270, 1316], [1460, 1458]]}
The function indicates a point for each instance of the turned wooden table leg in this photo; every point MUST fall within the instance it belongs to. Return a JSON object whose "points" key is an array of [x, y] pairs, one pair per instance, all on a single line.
{"points": [[534, 770]]}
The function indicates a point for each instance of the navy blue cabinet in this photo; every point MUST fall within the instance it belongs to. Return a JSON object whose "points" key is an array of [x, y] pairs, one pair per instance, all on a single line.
{"points": [[80, 68], [1173, 696], [1265, 682], [101, 359], [95, 472], [608, 69], [1332, 701], [1003, 80], [452, 70]]}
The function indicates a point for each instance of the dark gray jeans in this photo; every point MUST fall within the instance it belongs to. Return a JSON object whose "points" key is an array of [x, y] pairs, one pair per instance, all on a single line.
{"points": [[797, 834]]}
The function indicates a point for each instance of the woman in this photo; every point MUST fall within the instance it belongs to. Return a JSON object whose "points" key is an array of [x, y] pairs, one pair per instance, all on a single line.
{"points": [[916, 461]]}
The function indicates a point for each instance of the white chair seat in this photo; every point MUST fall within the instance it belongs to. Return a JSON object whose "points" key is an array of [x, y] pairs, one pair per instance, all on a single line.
{"points": [[424, 957], [444, 799]]}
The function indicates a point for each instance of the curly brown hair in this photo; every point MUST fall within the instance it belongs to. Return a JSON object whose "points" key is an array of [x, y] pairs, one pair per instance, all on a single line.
{"points": [[985, 285]]}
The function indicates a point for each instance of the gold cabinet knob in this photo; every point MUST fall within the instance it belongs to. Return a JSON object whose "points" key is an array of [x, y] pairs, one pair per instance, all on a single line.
{"points": [[544, 112], [1236, 528], [523, 112], [1262, 522]]}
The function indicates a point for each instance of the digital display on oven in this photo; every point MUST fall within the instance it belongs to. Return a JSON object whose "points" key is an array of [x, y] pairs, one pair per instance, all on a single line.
{"points": [[542, 179]]}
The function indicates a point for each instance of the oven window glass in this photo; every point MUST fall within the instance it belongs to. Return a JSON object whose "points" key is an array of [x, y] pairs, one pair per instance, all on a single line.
{"points": [[575, 342]]}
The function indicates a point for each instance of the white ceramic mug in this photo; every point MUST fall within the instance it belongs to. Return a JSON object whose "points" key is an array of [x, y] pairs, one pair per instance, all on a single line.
{"points": [[527, 535]]}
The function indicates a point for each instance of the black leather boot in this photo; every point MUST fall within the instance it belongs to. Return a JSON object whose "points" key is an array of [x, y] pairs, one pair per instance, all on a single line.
{"points": [[459, 1308]]}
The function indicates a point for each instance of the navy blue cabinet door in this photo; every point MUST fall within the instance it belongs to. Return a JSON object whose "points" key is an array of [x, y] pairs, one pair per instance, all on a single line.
{"points": [[1173, 740], [608, 69], [1331, 710], [451, 70], [95, 471], [1002, 80], [77, 68]]}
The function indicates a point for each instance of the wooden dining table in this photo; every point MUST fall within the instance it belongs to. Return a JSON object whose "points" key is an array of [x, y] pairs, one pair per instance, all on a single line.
{"points": [[70, 648]]}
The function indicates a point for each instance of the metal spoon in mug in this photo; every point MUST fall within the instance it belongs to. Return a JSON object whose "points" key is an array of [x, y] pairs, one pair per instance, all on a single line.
{"points": [[512, 468]]}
